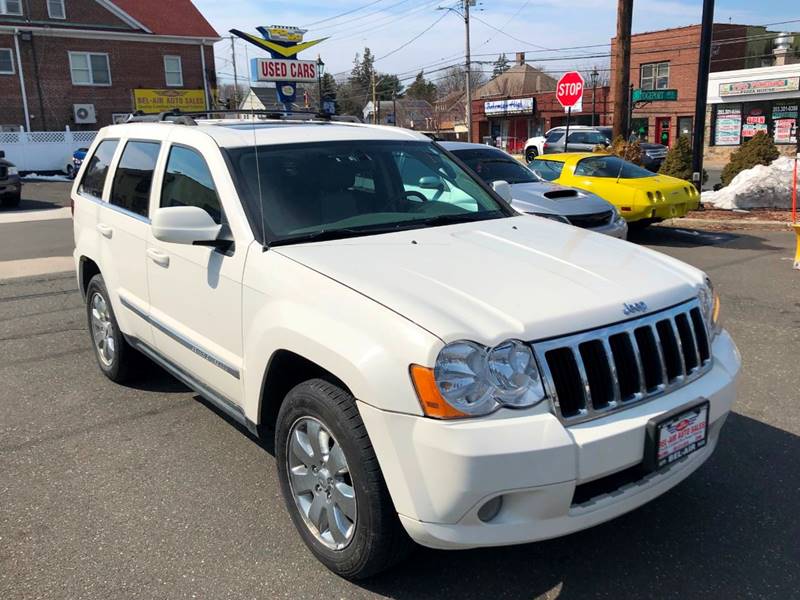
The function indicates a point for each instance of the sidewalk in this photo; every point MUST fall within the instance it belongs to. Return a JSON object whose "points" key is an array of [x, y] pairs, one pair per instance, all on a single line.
{"points": [[734, 219]]}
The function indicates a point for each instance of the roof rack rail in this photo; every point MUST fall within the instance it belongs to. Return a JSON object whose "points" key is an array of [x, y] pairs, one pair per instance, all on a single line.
{"points": [[179, 117]]}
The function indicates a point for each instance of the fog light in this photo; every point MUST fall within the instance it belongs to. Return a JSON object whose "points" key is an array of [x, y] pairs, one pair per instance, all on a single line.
{"points": [[489, 511]]}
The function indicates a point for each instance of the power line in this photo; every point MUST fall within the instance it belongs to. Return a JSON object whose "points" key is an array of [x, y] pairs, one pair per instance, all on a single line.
{"points": [[412, 40], [340, 15]]}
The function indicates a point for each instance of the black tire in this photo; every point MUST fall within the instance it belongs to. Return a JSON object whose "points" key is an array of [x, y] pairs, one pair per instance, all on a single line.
{"points": [[378, 540], [640, 225], [11, 201], [531, 153], [126, 360]]}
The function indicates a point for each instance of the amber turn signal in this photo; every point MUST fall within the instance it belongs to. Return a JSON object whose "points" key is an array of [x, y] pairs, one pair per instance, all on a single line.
{"points": [[433, 405]]}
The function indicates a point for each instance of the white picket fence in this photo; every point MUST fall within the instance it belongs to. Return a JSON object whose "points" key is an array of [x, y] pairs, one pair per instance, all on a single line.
{"points": [[38, 151]]}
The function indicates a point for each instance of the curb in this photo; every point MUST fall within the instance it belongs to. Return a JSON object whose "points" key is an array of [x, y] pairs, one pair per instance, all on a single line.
{"points": [[729, 222]]}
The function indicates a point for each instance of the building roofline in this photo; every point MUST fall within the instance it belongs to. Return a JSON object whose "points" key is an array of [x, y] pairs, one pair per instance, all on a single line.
{"points": [[104, 34], [118, 12]]}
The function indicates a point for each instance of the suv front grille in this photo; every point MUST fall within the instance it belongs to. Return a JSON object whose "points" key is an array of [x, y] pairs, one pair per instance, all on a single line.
{"points": [[594, 373], [591, 220]]}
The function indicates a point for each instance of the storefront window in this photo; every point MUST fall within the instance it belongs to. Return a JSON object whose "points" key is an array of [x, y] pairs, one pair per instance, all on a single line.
{"points": [[737, 123]]}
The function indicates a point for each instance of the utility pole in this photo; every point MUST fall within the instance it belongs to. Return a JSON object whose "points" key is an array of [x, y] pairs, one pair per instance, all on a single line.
{"points": [[622, 75], [374, 105], [701, 97], [394, 106], [235, 75], [469, 72]]}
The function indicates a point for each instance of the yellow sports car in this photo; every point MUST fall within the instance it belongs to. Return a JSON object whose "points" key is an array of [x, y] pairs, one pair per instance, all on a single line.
{"points": [[640, 195]]}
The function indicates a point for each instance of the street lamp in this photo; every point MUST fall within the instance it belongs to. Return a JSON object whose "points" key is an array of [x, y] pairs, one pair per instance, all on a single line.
{"points": [[320, 72], [593, 76]]}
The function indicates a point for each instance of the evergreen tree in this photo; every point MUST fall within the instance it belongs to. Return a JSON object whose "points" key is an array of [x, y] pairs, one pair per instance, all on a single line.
{"points": [[758, 150], [422, 89], [501, 65], [329, 89], [678, 162]]}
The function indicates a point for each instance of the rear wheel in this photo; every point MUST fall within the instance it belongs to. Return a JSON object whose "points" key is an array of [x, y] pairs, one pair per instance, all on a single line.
{"points": [[115, 357], [531, 153], [332, 484]]}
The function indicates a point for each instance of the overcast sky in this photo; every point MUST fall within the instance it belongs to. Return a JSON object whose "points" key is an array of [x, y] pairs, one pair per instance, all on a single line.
{"points": [[532, 25]]}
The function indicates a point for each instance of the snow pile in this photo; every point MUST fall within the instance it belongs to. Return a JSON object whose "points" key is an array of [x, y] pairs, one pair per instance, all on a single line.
{"points": [[759, 187], [37, 177]]}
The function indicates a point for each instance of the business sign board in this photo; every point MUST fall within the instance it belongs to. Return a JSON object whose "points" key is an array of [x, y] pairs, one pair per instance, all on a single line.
{"points": [[512, 106], [654, 95], [279, 69], [760, 86], [728, 126], [156, 101]]}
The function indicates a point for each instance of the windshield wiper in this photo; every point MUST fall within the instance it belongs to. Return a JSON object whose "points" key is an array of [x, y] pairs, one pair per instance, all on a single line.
{"points": [[322, 235], [451, 219]]}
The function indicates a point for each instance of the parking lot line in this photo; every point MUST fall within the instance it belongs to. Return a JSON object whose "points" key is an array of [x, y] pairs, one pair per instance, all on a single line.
{"points": [[35, 215]]}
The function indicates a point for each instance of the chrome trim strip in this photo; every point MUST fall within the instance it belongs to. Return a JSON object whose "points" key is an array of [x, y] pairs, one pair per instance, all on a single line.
{"points": [[587, 391], [603, 334], [662, 361], [116, 208], [181, 339], [230, 408]]}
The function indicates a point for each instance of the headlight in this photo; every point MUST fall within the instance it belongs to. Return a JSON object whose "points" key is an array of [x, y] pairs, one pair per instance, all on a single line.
{"points": [[552, 217], [12, 170], [475, 380], [709, 305]]}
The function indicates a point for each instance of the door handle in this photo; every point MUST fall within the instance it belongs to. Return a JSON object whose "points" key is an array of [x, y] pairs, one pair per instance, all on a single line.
{"points": [[105, 230], [158, 257]]}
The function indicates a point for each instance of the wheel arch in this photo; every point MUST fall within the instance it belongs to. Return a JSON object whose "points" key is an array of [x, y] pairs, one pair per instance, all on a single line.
{"points": [[284, 370], [87, 268]]}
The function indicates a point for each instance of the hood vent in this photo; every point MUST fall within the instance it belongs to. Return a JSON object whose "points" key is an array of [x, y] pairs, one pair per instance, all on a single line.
{"points": [[555, 194]]}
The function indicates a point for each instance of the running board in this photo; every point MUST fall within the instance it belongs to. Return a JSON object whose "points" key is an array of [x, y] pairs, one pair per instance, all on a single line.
{"points": [[219, 401]]}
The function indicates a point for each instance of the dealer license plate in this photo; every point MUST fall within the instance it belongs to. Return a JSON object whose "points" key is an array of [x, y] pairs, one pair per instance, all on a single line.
{"points": [[677, 434]]}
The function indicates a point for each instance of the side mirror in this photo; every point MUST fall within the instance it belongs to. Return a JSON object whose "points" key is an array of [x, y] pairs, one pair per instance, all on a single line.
{"points": [[503, 189], [2, 153], [431, 183], [185, 225]]}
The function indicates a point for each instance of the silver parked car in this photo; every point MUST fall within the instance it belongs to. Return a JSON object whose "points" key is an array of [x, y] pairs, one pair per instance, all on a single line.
{"points": [[533, 195]]}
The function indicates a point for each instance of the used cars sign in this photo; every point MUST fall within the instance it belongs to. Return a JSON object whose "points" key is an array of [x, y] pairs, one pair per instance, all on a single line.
{"points": [[278, 69]]}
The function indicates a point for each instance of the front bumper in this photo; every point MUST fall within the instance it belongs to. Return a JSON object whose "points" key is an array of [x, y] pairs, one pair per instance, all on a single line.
{"points": [[10, 186], [618, 228], [441, 473]]}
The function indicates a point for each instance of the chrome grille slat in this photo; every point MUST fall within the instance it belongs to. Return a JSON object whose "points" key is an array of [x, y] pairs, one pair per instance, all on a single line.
{"points": [[660, 349], [617, 397], [612, 359], [639, 367], [587, 392]]}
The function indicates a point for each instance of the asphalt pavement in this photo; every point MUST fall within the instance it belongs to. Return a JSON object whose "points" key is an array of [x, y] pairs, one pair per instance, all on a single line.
{"points": [[146, 492]]}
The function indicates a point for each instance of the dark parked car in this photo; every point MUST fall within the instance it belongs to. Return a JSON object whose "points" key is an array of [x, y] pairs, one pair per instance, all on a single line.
{"points": [[652, 154], [10, 183], [77, 160]]}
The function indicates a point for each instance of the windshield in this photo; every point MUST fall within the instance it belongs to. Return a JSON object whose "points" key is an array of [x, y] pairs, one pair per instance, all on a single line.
{"points": [[610, 166], [491, 165], [329, 190], [546, 169]]}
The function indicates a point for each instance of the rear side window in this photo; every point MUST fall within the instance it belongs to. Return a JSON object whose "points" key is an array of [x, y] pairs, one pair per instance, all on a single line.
{"points": [[94, 178], [554, 136], [546, 169], [188, 182], [134, 177]]}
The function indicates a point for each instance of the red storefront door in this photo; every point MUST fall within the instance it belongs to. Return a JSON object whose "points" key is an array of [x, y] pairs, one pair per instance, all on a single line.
{"points": [[662, 130]]}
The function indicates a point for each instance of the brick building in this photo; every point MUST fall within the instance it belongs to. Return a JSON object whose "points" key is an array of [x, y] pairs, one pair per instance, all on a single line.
{"points": [[81, 63], [669, 60]]}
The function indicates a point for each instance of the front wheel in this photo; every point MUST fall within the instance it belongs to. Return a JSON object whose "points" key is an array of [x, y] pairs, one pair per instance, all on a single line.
{"points": [[531, 153], [332, 484]]}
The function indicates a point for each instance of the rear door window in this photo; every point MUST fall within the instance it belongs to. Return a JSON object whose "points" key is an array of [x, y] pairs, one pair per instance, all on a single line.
{"points": [[188, 182], [94, 177], [554, 136], [134, 177]]}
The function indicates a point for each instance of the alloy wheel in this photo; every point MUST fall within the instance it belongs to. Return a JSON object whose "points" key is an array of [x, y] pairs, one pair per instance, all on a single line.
{"points": [[320, 481], [102, 330]]}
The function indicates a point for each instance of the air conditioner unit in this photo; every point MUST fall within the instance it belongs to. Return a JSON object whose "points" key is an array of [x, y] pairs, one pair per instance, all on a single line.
{"points": [[84, 113]]}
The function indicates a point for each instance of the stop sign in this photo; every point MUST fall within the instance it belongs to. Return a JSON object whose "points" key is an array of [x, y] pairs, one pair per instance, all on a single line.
{"points": [[569, 90]]}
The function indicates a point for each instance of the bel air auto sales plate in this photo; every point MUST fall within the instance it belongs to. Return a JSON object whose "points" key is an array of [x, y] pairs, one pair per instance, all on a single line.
{"points": [[676, 434]]}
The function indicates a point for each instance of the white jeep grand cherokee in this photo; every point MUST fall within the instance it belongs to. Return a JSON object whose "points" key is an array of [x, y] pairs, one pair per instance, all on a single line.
{"points": [[432, 365]]}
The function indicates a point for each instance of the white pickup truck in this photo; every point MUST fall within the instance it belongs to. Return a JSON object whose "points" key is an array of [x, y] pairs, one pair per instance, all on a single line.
{"points": [[432, 365]]}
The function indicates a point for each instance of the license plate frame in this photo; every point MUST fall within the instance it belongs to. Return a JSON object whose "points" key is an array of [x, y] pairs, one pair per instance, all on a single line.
{"points": [[686, 429]]}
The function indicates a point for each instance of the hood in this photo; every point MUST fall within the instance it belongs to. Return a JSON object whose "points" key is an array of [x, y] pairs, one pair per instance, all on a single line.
{"points": [[519, 277], [533, 197]]}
